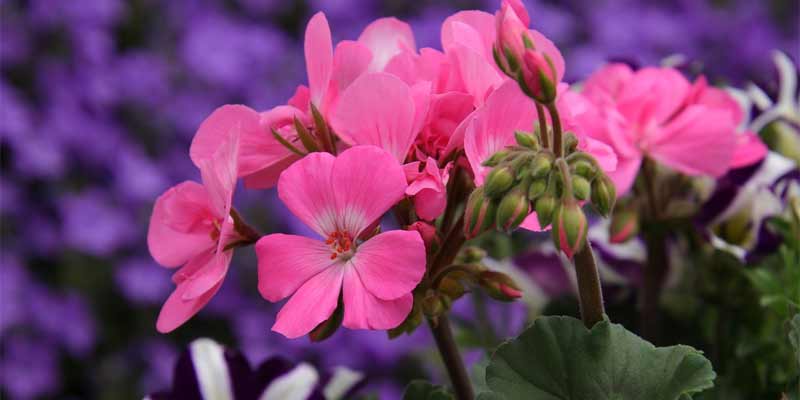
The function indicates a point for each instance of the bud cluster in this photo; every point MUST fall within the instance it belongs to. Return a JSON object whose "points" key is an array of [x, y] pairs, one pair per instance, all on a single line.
{"points": [[527, 178]]}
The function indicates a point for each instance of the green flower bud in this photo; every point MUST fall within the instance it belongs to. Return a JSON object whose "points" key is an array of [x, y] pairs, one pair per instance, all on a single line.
{"points": [[604, 195], [624, 226], [433, 305], [569, 228], [537, 188], [541, 165], [472, 254], [570, 143], [479, 215], [513, 209], [525, 139], [496, 158], [328, 327], [580, 187], [584, 168], [544, 209], [499, 286], [498, 181]]}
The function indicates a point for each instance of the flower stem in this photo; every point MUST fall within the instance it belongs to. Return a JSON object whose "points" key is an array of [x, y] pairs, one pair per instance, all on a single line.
{"points": [[544, 133], [555, 119], [589, 290], [451, 358], [657, 266]]}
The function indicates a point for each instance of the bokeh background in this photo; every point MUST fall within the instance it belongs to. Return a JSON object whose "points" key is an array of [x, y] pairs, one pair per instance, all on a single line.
{"points": [[99, 100]]}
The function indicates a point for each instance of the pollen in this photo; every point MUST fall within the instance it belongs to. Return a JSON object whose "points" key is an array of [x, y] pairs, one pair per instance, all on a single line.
{"points": [[341, 244]]}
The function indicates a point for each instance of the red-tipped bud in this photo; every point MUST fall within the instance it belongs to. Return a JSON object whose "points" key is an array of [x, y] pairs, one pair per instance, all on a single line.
{"points": [[498, 181], [513, 209], [479, 215], [538, 77], [624, 226], [499, 286], [511, 37], [569, 228], [428, 233]]}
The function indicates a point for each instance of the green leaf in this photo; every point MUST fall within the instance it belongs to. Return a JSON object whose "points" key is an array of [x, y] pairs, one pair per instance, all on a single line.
{"points": [[422, 390], [557, 358]]}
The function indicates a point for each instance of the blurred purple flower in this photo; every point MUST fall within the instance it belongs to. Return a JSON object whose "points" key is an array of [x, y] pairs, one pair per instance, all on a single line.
{"points": [[142, 281], [29, 368], [92, 223]]}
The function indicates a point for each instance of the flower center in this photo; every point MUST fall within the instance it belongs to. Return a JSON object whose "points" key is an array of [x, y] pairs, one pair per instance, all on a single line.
{"points": [[342, 245]]}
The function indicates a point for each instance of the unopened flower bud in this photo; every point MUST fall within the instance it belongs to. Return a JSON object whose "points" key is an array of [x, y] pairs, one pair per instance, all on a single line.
{"points": [[541, 165], [545, 205], [537, 188], [472, 254], [569, 228], [584, 168], [433, 305], [428, 234], [513, 209], [537, 76], [499, 286], [510, 43], [580, 187], [570, 143], [604, 195], [498, 181], [624, 226], [479, 215], [526, 140], [496, 158]]}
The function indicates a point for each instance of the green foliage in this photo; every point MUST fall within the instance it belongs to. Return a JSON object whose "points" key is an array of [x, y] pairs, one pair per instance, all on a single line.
{"points": [[422, 390], [557, 358]]}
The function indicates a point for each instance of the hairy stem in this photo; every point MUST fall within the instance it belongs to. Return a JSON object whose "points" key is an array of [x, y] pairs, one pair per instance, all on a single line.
{"points": [[451, 357], [589, 290], [544, 132], [555, 119]]}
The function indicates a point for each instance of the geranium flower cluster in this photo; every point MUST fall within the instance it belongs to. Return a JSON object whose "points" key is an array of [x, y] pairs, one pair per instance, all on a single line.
{"points": [[383, 126]]}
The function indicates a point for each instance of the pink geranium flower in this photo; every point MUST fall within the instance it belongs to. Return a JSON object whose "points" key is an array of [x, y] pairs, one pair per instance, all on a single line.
{"points": [[428, 187], [341, 198], [191, 227], [656, 112]]}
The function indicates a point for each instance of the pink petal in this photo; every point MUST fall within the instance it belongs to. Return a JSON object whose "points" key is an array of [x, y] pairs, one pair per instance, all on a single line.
{"points": [[391, 264], [481, 22], [367, 182], [603, 153], [531, 223], [430, 204], [607, 82], [177, 230], [350, 60], [625, 174], [285, 262], [210, 274], [177, 311], [421, 93], [313, 303], [305, 188], [478, 75], [520, 10], [261, 150], [377, 109], [300, 98], [268, 177], [385, 38], [319, 56], [492, 129], [362, 310], [653, 94], [218, 126], [219, 173], [699, 141], [749, 150]]}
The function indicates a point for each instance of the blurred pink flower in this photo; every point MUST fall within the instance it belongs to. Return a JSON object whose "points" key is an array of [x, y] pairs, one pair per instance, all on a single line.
{"points": [[341, 198], [190, 227]]}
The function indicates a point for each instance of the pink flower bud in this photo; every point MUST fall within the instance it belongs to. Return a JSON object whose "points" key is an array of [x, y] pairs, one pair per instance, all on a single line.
{"points": [[510, 44], [427, 232], [538, 76], [499, 286], [569, 228]]}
